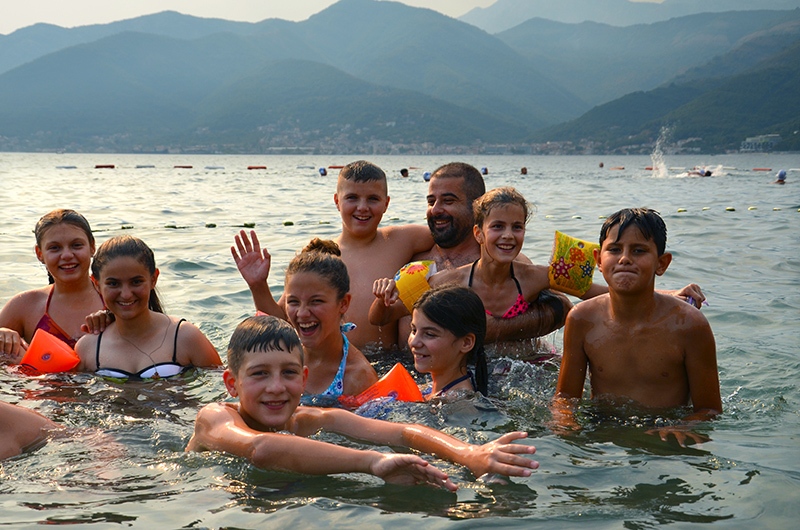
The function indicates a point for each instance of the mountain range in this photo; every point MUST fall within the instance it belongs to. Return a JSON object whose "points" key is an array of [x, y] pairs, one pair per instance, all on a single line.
{"points": [[506, 14], [382, 76]]}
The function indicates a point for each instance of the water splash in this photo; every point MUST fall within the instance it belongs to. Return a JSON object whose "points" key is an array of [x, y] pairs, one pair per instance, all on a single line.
{"points": [[657, 157]]}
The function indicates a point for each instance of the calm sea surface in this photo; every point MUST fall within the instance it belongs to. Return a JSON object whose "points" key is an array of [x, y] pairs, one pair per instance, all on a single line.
{"points": [[123, 463]]}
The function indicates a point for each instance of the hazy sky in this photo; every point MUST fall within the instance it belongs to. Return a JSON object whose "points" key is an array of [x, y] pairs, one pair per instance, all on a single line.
{"points": [[15, 14]]}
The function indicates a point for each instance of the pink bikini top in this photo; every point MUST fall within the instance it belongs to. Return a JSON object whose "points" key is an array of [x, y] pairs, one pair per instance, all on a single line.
{"points": [[519, 307]]}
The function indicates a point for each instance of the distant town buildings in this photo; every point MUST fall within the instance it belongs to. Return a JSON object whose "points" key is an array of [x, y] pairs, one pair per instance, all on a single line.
{"points": [[760, 144]]}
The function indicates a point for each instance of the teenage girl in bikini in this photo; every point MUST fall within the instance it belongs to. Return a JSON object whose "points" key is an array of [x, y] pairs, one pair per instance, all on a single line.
{"points": [[142, 342], [448, 326], [65, 245], [316, 295], [504, 286]]}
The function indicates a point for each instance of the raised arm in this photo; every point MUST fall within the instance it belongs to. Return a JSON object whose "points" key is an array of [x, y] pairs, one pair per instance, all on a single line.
{"points": [[220, 428], [500, 456], [253, 263]]}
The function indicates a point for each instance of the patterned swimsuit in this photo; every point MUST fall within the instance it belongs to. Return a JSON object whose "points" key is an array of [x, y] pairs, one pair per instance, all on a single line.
{"points": [[519, 307]]}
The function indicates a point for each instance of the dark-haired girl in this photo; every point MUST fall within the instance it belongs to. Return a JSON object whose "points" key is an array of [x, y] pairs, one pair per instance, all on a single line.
{"points": [[142, 342], [448, 327]]}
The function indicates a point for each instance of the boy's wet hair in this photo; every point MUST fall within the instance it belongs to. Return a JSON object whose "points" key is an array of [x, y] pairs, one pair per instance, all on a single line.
{"points": [[261, 333], [130, 247], [460, 311], [495, 198], [322, 256], [648, 221], [57, 217], [474, 186], [362, 171]]}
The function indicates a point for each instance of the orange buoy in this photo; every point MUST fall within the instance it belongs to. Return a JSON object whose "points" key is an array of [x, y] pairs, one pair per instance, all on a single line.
{"points": [[335, 167], [397, 383], [618, 168], [256, 167], [47, 354], [762, 169], [182, 167], [104, 166], [648, 168]]}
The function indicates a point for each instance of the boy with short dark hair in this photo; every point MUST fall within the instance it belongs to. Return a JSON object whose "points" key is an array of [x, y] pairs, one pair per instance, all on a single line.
{"points": [[268, 427], [638, 344]]}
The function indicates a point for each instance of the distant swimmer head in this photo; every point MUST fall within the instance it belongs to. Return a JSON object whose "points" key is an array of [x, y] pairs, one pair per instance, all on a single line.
{"points": [[782, 174], [484, 171], [426, 176], [323, 171], [404, 172]]}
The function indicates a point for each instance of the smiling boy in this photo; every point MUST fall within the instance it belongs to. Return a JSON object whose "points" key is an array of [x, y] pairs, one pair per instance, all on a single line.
{"points": [[268, 427], [369, 251], [638, 344]]}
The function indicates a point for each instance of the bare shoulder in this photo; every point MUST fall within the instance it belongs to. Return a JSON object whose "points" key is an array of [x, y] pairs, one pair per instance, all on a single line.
{"points": [[406, 231], [415, 237], [589, 310], [26, 301], [682, 315], [86, 349], [209, 418]]}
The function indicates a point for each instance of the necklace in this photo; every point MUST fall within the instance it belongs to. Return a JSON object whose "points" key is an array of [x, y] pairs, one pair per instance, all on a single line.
{"points": [[149, 355]]}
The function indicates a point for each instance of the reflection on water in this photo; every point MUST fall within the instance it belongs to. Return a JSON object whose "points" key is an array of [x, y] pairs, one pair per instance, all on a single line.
{"points": [[121, 461]]}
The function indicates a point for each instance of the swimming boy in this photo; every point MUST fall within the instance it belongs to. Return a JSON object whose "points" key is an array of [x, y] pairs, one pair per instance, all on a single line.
{"points": [[639, 345], [268, 427], [369, 251]]}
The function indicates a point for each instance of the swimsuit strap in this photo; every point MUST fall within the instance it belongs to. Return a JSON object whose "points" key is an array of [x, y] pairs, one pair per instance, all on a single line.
{"points": [[175, 343], [49, 297], [454, 382], [519, 289], [472, 271], [97, 352]]}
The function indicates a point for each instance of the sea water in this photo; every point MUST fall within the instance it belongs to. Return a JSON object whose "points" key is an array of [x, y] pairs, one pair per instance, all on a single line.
{"points": [[122, 464]]}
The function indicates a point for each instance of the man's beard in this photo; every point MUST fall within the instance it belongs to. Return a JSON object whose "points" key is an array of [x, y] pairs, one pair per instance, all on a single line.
{"points": [[450, 236]]}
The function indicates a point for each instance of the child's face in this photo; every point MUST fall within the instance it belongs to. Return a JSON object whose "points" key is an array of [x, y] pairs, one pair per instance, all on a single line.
{"points": [[361, 205], [436, 350], [449, 211], [269, 385], [631, 263], [503, 233], [125, 285], [66, 252], [313, 308]]}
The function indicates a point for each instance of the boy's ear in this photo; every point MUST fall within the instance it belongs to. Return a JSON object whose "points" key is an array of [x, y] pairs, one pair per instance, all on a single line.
{"points": [[596, 254], [663, 262], [305, 377], [336, 200], [230, 382]]}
